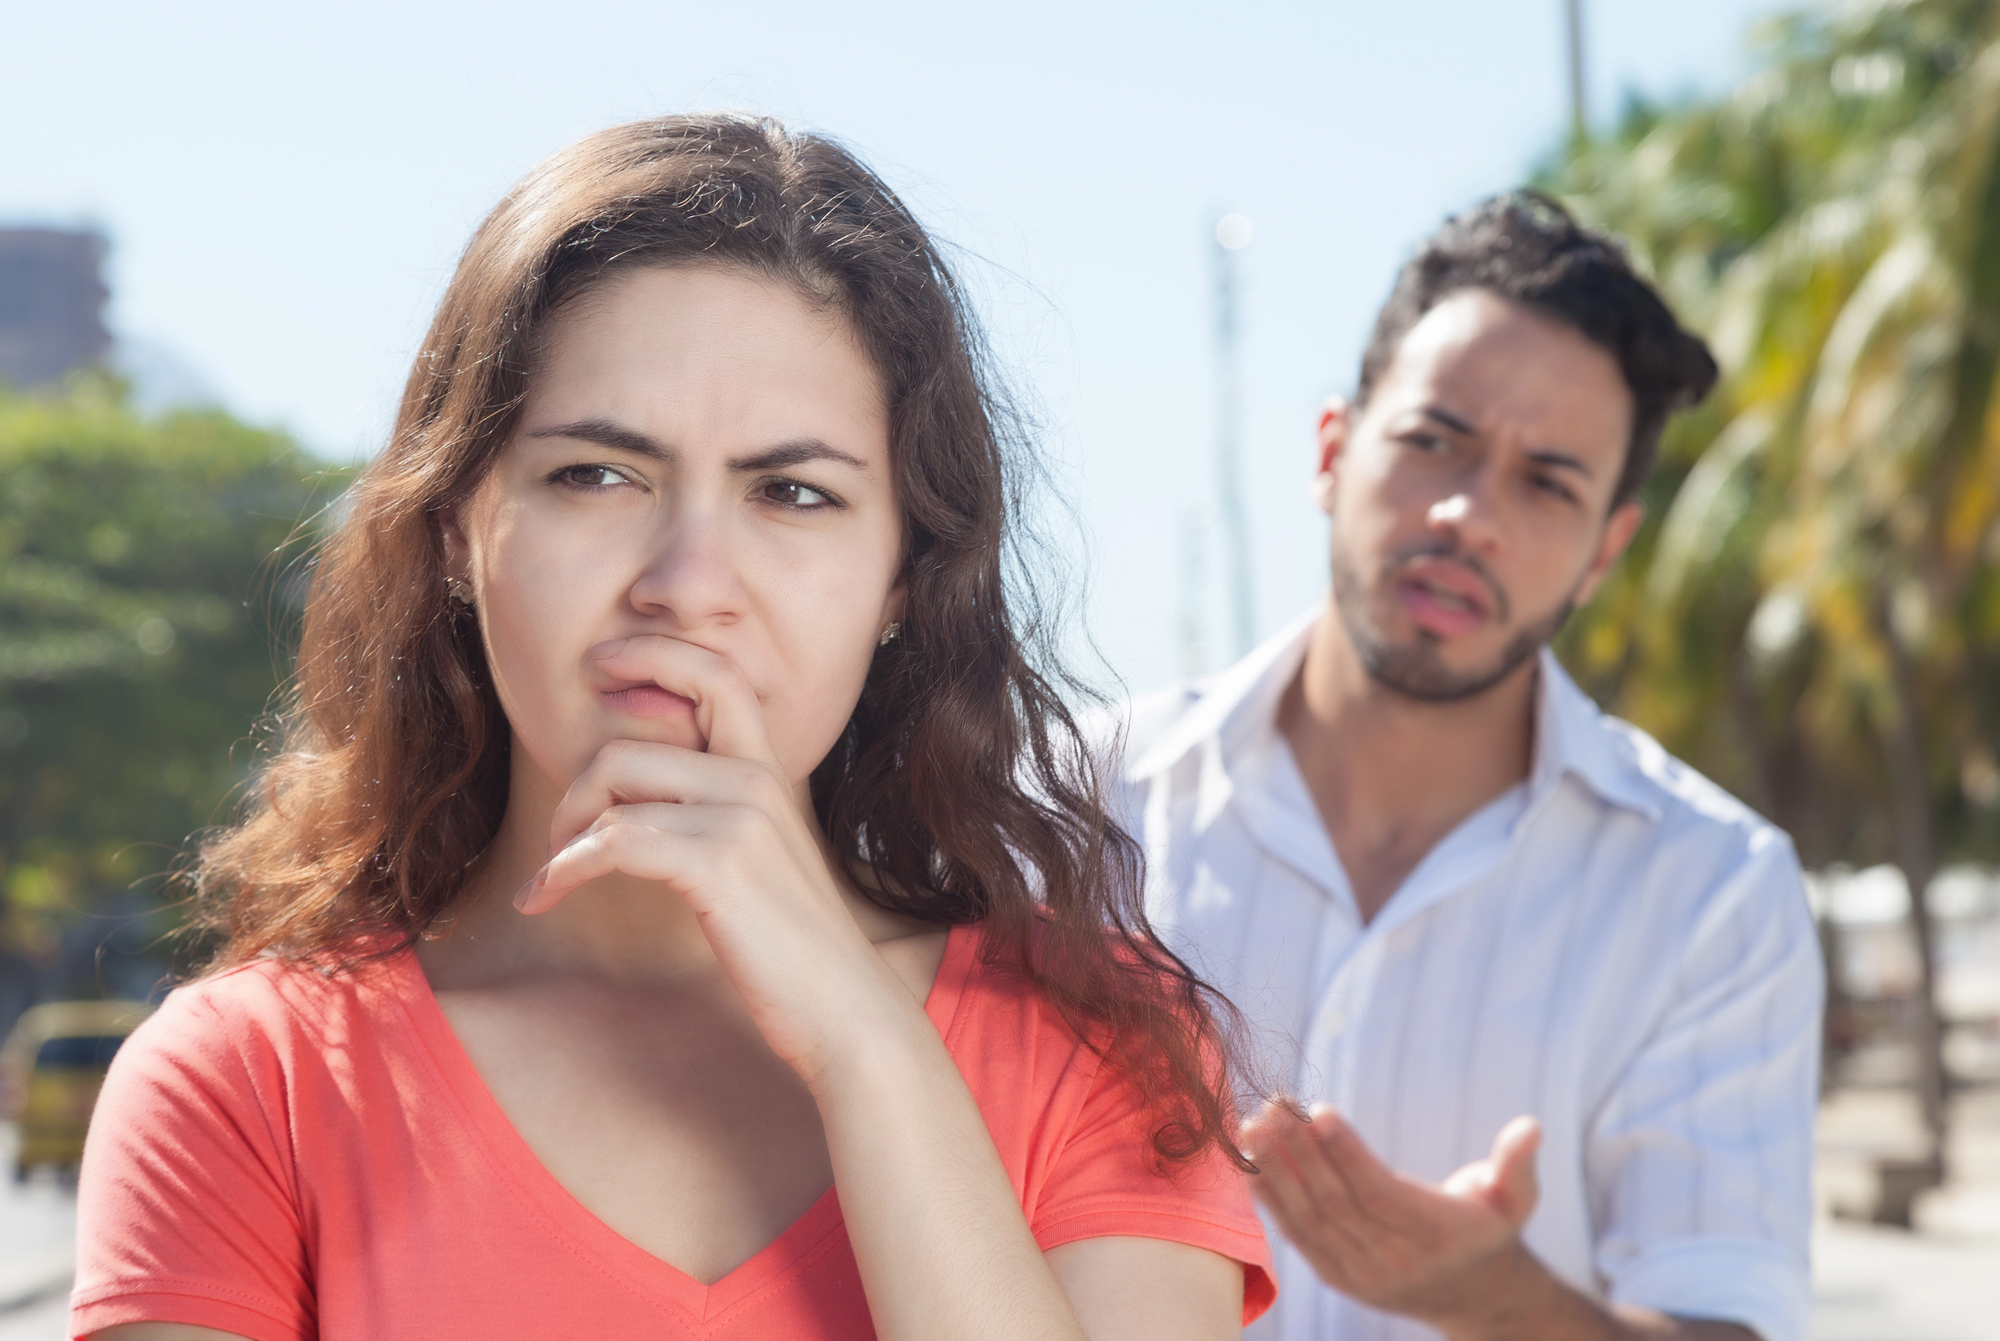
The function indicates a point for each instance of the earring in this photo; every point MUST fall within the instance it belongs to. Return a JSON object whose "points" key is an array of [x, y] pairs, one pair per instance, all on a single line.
{"points": [[889, 634], [459, 591]]}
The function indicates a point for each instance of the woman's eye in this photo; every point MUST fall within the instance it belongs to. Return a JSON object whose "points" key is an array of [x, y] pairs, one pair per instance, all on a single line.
{"points": [[1424, 442], [589, 477], [792, 494]]}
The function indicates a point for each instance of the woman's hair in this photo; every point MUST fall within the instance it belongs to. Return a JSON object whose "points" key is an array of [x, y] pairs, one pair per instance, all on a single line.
{"points": [[960, 789]]}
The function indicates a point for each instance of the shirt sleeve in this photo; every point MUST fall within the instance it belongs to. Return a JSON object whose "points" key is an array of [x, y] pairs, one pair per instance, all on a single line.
{"points": [[1701, 1160], [187, 1210], [1105, 1182]]}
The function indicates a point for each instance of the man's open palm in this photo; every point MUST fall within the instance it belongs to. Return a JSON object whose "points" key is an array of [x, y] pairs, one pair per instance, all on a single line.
{"points": [[1389, 1241]]}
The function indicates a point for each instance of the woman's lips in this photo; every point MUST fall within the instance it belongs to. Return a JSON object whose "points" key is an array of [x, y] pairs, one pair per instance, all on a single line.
{"points": [[647, 700]]}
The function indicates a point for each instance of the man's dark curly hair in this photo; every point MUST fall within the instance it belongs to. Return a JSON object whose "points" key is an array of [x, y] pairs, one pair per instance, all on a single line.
{"points": [[1527, 248]]}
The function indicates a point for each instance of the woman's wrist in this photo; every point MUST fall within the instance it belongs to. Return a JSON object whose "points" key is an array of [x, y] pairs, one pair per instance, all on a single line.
{"points": [[877, 1041]]}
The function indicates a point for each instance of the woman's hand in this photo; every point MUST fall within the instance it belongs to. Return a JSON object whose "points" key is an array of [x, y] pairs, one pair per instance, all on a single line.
{"points": [[937, 1229], [726, 830]]}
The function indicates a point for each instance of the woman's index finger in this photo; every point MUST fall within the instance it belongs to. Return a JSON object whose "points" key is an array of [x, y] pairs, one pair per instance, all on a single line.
{"points": [[727, 711]]}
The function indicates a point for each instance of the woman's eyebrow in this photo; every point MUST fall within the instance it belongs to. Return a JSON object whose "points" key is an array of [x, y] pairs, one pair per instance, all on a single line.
{"points": [[796, 452], [607, 434]]}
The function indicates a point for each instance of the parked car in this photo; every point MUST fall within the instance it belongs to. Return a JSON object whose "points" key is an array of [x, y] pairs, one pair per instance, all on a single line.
{"points": [[51, 1068]]}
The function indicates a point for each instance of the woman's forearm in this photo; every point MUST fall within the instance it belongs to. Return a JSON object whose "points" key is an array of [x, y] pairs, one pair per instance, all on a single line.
{"points": [[935, 1224]]}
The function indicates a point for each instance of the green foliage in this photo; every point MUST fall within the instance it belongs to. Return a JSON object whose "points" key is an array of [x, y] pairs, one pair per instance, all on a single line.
{"points": [[1812, 612], [144, 609]]}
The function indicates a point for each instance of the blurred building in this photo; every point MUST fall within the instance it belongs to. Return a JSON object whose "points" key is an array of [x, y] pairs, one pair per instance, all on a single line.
{"points": [[51, 303]]}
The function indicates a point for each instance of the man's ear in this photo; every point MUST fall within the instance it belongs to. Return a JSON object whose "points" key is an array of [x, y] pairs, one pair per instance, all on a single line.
{"points": [[1619, 528], [1334, 422]]}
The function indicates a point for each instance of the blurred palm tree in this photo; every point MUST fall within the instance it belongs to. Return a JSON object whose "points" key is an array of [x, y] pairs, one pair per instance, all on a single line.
{"points": [[1813, 611]]}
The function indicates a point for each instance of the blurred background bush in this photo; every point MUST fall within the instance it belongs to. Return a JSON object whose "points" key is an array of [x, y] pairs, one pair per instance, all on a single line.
{"points": [[145, 612]]}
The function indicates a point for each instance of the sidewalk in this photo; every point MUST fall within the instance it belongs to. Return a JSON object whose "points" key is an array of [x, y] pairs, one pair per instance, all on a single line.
{"points": [[37, 1252], [1940, 1282]]}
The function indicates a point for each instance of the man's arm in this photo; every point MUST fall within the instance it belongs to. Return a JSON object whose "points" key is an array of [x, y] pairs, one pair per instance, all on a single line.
{"points": [[1450, 1256]]}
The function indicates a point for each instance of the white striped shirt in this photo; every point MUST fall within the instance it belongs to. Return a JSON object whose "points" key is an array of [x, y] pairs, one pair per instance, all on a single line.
{"points": [[1615, 946]]}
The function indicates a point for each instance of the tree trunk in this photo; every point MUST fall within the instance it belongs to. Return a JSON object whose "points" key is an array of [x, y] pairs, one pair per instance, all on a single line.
{"points": [[1916, 849]]}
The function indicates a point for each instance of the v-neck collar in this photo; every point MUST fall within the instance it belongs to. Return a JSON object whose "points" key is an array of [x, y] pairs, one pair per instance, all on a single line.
{"points": [[653, 1278]]}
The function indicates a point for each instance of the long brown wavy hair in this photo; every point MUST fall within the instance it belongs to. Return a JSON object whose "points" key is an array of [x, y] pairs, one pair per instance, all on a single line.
{"points": [[961, 785]]}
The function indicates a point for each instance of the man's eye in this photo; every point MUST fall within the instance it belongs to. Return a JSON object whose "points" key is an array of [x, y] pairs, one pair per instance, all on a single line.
{"points": [[1554, 487], [792, 494], [589, 477]]}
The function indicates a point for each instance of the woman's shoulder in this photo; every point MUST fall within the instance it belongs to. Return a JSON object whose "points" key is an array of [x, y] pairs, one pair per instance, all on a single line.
{"points": [[272, 1005], [1012, 1040], [986, 973], [1073, 1129], [984, 978]]}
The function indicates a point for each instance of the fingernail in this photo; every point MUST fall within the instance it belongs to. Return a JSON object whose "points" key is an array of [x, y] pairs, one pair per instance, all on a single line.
{"points": [[527, 890], [605, 651]]}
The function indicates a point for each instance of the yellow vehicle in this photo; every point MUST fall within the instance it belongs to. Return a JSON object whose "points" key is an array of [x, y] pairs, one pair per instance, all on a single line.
{"points": [[50, 1071]]}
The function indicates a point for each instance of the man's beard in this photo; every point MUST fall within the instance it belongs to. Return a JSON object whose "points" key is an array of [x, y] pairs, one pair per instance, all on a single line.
{"points": [[1416, 670]]}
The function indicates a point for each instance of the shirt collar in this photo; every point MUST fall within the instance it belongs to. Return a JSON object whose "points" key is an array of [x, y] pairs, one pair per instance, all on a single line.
{"points": [[1572, 737], [1235, 705]]}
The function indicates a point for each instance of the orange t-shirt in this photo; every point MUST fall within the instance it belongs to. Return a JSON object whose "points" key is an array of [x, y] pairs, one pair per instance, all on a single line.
{"points": [[285, 1155]]}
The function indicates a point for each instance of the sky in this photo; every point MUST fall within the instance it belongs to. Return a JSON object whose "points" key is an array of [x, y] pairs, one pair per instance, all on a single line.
{"points": [[287, 187]]}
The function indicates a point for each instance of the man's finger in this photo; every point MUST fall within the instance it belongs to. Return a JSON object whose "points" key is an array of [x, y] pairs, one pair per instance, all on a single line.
{"points": [[1315, 1215], [1373, 1187], [1333, 1204], [1260, 1132], [1515, 1188], [726, 709]]}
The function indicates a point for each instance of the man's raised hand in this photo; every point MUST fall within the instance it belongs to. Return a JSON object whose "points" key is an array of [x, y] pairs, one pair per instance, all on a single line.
{"points": [[1441, 1254]]}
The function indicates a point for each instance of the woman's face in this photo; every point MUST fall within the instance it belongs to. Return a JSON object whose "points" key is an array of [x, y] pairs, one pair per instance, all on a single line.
{"points": [[703, 454]]}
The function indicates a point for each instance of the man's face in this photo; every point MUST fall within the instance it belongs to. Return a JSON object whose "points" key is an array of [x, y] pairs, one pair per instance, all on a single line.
{"points": [[1471, 498]]}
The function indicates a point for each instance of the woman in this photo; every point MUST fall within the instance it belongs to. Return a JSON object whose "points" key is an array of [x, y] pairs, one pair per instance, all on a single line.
{"points": [[671, 833]]}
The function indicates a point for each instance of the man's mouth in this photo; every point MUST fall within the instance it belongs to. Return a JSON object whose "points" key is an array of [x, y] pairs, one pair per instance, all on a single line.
{"points": [[1444, 598], [1451, 598]]}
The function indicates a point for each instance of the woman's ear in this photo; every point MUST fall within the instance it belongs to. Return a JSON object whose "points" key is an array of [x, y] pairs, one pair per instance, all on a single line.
{"points": [[457, 553], [896, 601]]}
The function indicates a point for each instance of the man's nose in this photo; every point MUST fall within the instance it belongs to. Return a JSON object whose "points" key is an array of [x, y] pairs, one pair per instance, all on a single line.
{"points": [[1467, 511]]}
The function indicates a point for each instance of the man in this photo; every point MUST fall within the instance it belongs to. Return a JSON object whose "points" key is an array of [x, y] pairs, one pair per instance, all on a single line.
{"points": [[1463, 901]]}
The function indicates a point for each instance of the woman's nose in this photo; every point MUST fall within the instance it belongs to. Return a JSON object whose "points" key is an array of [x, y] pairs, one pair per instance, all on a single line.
{"points": [[689, 573]]}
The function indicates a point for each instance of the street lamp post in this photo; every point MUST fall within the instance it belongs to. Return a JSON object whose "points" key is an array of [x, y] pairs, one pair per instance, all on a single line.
{"points": [[1232, 235], [1579, 119]]}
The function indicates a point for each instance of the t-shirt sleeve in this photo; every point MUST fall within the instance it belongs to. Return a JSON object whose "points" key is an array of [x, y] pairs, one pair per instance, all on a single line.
{"points": [[1104, 1181], [1703, 1153], [187, 1208]]}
